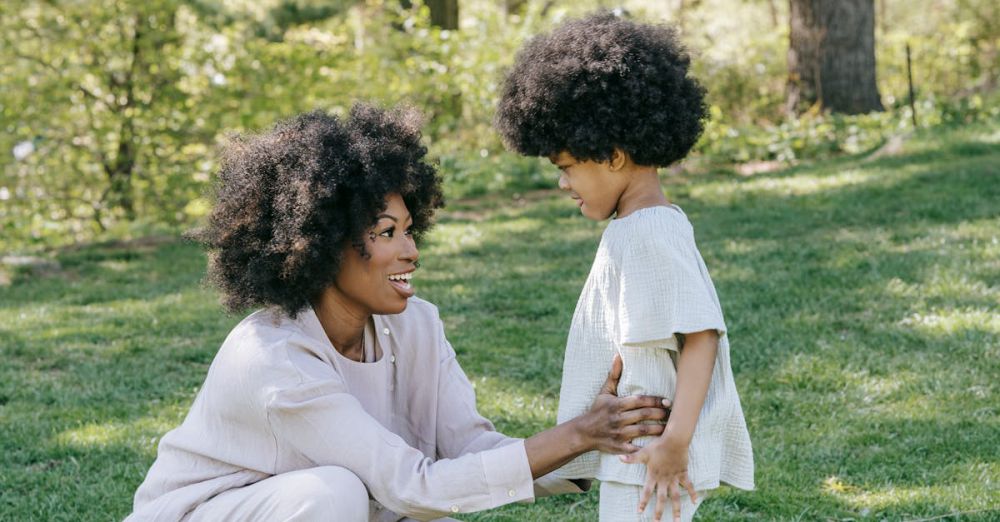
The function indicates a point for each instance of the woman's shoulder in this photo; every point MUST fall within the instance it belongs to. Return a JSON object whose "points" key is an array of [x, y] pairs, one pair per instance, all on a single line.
{"points": [[263, 327], [266, 342]]}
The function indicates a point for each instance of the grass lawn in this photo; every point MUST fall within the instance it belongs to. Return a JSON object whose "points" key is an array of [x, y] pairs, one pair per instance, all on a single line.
{"points": [[863, 302]]}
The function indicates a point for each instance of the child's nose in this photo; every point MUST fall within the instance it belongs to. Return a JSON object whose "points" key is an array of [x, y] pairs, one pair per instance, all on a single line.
{"points": [[563, 182]]}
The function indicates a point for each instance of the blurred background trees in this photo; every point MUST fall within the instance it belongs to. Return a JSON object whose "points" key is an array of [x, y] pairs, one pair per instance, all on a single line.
{"points": [[112, 110]]}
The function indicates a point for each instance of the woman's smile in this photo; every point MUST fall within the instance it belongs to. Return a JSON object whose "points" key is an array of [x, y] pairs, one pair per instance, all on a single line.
{"points": [[401, 283]]}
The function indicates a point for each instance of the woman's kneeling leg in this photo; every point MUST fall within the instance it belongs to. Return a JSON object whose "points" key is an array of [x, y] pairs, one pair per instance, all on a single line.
{"points": [[322, 493]]}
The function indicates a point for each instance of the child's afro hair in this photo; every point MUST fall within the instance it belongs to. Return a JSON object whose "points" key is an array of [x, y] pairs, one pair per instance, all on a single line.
{"points": [[288, 201], [598, 83]]}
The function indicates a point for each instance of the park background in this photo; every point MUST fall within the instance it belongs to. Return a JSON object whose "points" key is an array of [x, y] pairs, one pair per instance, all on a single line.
{"points": [[853, 239]]}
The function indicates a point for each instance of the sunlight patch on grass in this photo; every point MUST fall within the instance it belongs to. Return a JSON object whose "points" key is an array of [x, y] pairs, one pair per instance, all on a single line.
{"points": [[740, 247], [988, 137], [453, 238], [810, 184], [134, 434], [951, 321], [115, 265], [958, 499], [875, 389], [798, 185], [735, 272], [498, 397], [521, 225]]}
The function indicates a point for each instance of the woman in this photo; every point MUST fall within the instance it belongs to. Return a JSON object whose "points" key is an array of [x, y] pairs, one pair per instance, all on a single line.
{"points": [[343, 387]]}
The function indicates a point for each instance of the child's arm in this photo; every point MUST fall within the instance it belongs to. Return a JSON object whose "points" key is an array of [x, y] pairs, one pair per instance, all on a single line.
{"points": [[666, 458]]}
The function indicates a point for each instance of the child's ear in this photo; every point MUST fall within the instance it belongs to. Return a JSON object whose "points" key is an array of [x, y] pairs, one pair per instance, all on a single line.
{"points": [[619, 159]]}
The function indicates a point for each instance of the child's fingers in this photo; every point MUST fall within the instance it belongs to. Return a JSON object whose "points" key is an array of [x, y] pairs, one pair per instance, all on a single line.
{"points": [[675, 497], [638, 456], [661, 502], [647, 491], [686, 482]]}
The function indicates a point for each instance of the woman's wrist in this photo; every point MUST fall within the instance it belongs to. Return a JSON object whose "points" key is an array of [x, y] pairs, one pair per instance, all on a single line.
{"points": [[580, 438]]}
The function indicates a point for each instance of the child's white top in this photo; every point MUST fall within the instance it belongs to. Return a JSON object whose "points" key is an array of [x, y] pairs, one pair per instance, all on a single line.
{"points": [[648, 284]]}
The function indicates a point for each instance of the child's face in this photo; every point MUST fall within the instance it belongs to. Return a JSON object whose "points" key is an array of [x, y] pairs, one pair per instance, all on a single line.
{"points": [[595, 186]]}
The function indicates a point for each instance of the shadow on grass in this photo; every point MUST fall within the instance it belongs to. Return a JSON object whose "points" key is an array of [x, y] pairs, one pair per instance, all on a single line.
{"points": [[94, 275], [818, 287]]}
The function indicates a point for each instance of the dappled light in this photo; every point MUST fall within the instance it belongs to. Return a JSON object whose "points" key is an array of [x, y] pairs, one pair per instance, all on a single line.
{"points": [[856, 256]]}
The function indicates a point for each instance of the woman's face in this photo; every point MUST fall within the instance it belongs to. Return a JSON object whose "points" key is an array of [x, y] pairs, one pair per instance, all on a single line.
{"points": [[380, 284]]}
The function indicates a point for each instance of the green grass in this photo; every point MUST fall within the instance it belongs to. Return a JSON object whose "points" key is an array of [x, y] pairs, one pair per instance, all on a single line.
{"points": [[863, 301]]}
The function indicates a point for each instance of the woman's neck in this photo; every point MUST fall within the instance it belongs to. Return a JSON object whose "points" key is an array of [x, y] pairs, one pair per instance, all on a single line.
{"points": [[343, 323], [643, 191]]}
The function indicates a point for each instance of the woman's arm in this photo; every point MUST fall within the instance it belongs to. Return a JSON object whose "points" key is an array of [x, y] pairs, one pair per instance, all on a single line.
{"points": [[609, 426], [319, 423]]}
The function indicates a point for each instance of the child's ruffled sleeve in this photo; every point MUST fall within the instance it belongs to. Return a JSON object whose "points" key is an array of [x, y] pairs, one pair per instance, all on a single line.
{"points": [[665, 289]]}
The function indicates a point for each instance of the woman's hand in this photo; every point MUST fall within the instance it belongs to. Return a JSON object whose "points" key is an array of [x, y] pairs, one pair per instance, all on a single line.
{"points": [[609, 426], [612, 421], [666, 463]]}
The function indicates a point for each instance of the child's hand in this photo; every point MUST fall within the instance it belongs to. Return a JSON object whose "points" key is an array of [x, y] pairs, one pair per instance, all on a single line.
{"points": [[666, 470]]}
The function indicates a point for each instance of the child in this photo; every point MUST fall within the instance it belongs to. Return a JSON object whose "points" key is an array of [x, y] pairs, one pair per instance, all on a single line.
{"points": [[608, 101]]}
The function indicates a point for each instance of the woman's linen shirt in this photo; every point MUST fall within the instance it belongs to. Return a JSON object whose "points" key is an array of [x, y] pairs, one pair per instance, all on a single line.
{"points": [[279, 397], [649, 284]]}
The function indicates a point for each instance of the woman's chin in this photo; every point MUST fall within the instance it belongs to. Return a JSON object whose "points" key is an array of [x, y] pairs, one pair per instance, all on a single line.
{"points": [[393, 308]]}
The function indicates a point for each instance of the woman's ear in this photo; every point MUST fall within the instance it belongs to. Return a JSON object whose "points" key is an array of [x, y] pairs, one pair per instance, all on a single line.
{"points": [[619, 159]]}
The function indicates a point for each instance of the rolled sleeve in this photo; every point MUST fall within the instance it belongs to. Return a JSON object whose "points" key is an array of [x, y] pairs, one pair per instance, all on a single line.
{"points": [[508, 474]]}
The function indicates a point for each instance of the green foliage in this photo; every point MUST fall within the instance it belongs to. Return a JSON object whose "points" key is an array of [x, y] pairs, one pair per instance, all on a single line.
{"points": [[483, 173], [860, 298], [126, 102], [822, 136]]}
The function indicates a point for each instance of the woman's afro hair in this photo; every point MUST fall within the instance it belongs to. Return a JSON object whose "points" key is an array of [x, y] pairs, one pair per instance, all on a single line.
{"points": [[598, 83], [290, 200]]}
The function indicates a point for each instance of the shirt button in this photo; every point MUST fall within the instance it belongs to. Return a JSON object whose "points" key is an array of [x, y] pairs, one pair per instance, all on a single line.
{"points": [[511, 493], [392, 359], [385, 331], [454, 509]]}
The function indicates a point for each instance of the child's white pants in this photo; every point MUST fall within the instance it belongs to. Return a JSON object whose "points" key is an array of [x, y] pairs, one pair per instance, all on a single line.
{"points": [[620, 503]]}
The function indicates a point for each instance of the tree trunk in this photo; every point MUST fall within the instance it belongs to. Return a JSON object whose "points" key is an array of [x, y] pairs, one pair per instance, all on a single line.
{"points": [[831, 56], [514, 7], [444, 13]]}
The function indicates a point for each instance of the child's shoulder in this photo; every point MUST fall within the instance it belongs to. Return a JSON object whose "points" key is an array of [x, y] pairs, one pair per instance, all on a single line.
{"points": [[649, 230]]}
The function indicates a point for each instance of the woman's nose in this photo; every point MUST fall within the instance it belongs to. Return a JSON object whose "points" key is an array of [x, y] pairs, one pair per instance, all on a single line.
{"points": [[410, 252]]}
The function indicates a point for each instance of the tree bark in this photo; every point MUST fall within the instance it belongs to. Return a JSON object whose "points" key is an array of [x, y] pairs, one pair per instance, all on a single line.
{"points": [[444, 13], [831, 56]]}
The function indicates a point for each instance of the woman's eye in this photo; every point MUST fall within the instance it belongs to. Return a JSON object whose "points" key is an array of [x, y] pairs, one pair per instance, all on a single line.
{"points": [[409, 231], [388, 232]]}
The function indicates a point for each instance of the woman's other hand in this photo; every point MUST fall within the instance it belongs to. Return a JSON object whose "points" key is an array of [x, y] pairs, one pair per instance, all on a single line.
{"points": [[614, 421]]}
